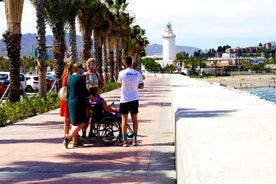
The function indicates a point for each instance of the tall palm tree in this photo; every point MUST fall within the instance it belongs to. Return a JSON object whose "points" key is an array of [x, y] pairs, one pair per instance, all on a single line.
{"points": [[98, 22], [85, 15], [72, 30], [179, 60], [57, 16], [122, 22], [135, 44], [12, 38], [101, 27], [41, 46], [110, 47], [107, 31]]}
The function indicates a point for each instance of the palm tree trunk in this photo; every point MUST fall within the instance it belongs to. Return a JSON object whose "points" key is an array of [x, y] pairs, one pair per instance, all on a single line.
{"points": [[12, 38], [105, 62], [110, 46], [86, 46], [98, 50], [41, 48], [73, 42], [13, 45], [59, 52], [118, 57]]}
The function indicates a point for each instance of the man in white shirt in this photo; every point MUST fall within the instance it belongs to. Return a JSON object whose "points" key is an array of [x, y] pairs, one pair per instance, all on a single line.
{"points": [[130, 80]]}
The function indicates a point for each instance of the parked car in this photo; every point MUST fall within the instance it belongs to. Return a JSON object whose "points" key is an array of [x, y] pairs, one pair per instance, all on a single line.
{"points": [[32, 83], [52, 78], [2, 89], [51, 74], [5, 78]]}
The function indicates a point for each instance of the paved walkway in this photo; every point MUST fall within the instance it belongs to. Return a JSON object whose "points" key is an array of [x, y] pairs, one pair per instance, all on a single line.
{"points": [[32, 150]]}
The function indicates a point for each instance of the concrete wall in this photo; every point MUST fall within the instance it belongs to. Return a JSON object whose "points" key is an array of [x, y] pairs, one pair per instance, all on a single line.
{"points": [[223, 136]]}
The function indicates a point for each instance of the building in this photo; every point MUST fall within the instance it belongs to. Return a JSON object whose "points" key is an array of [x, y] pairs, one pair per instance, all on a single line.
{"points": [[169, 48]]}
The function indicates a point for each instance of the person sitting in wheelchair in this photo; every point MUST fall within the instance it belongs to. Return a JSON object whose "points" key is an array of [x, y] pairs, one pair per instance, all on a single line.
{"points": [[99, 107]]}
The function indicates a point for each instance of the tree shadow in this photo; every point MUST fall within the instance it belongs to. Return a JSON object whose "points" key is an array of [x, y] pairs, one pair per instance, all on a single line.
{"points": [[93, 167], [193, 113]]}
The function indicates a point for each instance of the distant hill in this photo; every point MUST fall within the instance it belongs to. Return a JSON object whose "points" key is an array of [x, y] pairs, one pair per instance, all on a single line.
{"points": [[29, 41], [157, 49], [273, 43]]}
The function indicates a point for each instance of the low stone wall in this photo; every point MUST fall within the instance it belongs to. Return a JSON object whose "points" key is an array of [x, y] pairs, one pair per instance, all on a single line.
{"points": [[223, 135]]}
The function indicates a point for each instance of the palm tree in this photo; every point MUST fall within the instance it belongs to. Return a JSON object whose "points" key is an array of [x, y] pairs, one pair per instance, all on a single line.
{"points": [[57, 16], [100, 24], [41, 46], [180, 59], [135, 45], [85, 15], [72, 30], [12, 38], [110, 46], [122, 22]]}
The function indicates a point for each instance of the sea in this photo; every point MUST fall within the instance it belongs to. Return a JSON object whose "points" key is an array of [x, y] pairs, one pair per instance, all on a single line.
{"points": [[268, 94]]}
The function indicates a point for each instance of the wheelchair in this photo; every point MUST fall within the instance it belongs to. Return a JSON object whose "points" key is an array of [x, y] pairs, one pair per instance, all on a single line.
{"points": [[107, 126]]}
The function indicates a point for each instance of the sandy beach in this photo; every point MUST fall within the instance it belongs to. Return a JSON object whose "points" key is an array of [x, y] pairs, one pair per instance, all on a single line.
{"points": [[244, 81]]}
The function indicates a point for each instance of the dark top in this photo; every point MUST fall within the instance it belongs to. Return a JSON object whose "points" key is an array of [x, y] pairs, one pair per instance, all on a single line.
{"points": [[77, 99]]}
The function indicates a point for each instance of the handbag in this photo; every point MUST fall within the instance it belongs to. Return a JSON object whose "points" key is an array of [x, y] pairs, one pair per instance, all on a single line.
{"points": [[63, 93]]}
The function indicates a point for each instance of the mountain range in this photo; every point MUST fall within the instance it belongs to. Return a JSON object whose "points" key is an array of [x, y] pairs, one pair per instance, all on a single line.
{"points": [[28, 42]]}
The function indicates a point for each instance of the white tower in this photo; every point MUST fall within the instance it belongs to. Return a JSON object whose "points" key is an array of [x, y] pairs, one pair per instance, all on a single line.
{"points": [[169, 49]]}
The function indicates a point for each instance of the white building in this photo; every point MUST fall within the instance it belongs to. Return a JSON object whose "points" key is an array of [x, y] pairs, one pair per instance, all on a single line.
{"points": [[169, 48]]}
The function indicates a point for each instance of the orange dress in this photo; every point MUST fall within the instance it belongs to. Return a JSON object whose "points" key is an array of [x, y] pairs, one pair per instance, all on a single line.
{"points": [[64, 112]]}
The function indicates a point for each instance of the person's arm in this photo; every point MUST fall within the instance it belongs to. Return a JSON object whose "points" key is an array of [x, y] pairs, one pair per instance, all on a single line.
{"points": [[107, 108]]}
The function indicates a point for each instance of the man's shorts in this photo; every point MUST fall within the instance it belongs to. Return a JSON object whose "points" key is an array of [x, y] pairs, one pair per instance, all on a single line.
{"points": [[131, 107]]}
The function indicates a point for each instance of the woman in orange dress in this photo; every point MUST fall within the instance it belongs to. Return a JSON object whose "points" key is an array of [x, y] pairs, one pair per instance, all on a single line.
{"points": [[64, 112]]}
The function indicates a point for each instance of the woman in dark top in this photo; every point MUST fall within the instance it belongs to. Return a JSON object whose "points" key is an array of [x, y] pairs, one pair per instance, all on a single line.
{"points": [[76, 104]]}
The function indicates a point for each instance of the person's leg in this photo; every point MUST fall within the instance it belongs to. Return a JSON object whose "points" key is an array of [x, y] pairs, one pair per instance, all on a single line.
{"points": [[84, 129], [66, 125], [74, 134], [91, 133], [135, 125], [124, 127], [134, 118]]}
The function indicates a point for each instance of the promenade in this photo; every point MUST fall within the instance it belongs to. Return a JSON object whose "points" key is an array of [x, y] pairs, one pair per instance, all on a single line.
{"points": [[32, 149], [221, 136]]}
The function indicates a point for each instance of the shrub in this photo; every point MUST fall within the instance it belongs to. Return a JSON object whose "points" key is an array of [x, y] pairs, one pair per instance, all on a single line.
{"points": [[12, 112]]}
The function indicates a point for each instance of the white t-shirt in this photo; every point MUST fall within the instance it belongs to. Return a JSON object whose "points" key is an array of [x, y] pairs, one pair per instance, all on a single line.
{"points": [[130, 80]]}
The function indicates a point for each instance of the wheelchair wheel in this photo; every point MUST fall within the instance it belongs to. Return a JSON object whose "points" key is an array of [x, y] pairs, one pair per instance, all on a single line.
{"points": [[108, 130]]}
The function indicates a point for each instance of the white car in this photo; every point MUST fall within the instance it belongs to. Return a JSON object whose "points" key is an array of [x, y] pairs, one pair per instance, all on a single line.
{"points": [[32, 83]]}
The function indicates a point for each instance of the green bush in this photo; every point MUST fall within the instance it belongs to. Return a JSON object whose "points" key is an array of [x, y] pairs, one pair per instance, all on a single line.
{"points": [[109, 86], [12, 112]]}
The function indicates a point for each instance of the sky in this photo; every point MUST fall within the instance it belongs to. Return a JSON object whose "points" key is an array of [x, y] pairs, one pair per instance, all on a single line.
{"points": [[203, 24]]}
